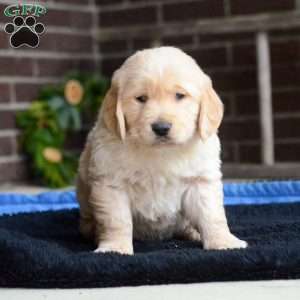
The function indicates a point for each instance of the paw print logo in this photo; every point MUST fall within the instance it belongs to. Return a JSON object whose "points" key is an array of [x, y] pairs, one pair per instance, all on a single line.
{"points": [[24, 32]]}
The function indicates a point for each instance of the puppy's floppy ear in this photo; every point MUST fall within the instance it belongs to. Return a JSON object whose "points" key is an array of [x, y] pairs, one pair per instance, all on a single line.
{"points": [[211, 113], [113, 114]]}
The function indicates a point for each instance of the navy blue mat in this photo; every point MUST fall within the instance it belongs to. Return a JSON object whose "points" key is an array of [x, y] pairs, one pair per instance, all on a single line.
{"points": [[46, 250]]}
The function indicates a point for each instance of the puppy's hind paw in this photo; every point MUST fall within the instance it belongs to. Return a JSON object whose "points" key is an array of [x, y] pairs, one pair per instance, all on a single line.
{"points": [[114, 247]]}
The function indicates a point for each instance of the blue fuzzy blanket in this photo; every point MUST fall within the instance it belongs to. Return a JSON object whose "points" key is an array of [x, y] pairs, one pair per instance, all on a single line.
{"points": [[235, 193]]}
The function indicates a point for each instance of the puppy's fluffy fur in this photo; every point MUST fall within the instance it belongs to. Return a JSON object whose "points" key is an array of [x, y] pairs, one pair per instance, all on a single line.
{"points": [[134, 183]]}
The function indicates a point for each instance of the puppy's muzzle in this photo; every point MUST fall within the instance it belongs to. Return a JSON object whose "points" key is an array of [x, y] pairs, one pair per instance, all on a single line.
{"points": [[161, 129]]}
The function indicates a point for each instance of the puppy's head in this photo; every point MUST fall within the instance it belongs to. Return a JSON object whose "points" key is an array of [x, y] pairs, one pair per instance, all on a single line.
{"points": [[161, 96]]}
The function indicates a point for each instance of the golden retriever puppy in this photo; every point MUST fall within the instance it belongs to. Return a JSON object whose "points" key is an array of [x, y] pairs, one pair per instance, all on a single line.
{"points": [[151, 165]]}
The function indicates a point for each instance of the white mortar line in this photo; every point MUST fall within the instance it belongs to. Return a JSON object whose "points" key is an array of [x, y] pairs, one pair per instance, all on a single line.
{"points": [[229, 54], [58, 29], [249, 142], [286, 89], [139, 4], [11, 158], [227, 8], [240, 119], [287, 141], [236, 151], [288, 115], [18, 79], [14, 106], [94, 32], [43, 54], [66, 30], [12, 93], [232, 104], [9, 132], [14, 144], [56, 5]]}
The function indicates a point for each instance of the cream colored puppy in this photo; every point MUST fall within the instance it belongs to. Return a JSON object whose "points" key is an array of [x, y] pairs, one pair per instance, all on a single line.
{"points": [[151, 165]]}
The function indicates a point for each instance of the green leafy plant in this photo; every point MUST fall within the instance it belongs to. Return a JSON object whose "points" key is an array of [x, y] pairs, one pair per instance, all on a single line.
{"points": [[45, 125]]}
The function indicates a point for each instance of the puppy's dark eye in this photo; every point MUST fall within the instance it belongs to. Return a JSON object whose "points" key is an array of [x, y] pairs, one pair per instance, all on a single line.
{"points": [[179, 96], [142, 98]]}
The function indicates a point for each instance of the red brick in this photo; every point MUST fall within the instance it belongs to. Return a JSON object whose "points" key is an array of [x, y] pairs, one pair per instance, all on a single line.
{"points": [[285, 52], [287, 128], [15, 66], [287, 152], [142, 43], [109, 2], [285, 75], [247, 105], [83, 2], [7, 120], [226, 37], [54, 67], [4, 93], [240, 130], [66, 43], [114, 46], [293, 32], [109, 65], [76, 141], [3, 18], [50, 41], [178, 40], [13, 171], [129, 16], [141, 1], [85, 65], [213, 57], [6, 146], [4, 40], [234, 80], [249, 153], [65, 18], [286, 101], [27, 92], [227, 101], [241, 7], [190, 10], [228, 152], [61, 67], [19, 150], [244, 55]]}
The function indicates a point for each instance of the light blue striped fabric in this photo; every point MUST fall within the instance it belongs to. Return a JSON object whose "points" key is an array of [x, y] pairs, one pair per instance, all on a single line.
{"points": [[262, 192], [54, 200], [235, 193]]}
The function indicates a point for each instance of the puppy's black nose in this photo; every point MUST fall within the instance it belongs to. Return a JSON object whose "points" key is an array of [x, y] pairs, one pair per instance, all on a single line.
{"points": [[161, 128]]}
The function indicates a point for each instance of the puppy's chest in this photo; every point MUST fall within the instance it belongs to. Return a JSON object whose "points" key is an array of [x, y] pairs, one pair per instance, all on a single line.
{"points": [[155, 197]]}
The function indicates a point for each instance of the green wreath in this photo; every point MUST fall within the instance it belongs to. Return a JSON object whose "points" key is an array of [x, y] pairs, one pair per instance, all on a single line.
{"points": [[45, 125]]}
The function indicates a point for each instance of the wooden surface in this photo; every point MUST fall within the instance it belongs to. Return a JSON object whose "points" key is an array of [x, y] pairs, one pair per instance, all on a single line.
{"points": [[263, 56], [256, 171]]}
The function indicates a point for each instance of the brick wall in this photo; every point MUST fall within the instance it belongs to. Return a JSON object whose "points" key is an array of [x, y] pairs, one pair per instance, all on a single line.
{"points": [[230, 59], [70, 43], [66, 45]]}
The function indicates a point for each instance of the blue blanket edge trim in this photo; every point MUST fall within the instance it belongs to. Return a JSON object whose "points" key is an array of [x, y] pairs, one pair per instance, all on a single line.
{"points": [[234, 194]]}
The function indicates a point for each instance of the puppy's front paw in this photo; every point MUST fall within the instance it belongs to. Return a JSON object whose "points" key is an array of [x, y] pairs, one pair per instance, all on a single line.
{"points": [[228, 241], [118, 247]]}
